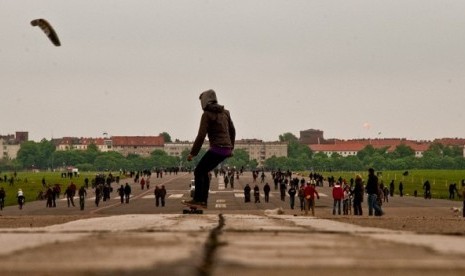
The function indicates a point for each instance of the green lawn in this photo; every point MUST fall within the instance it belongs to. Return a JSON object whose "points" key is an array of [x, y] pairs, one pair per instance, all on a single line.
{"points": [[31, 183], [439, 179]]}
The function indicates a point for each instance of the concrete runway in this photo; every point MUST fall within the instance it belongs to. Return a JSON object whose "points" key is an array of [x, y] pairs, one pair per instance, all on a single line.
{"points": [[231, 238]]}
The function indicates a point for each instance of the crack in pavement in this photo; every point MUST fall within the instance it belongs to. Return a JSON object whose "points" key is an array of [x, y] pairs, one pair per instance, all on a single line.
{"points": [[211, 245]]}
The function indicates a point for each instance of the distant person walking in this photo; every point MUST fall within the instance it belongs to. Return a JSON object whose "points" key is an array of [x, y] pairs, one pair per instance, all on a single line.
{"points": [[142, 183], [2, 198], [310, 193], [21, 198], [358, 192], [256, 193], [282, 189], [127, 192], [162, 195], [49, 197], [338, 196], [247, 190], [301, 195], [427, 189], [157, 194], [401, 189], [82, 196], [391, 188], [292, 192], [70, 195], [372, 189], [121, 193], [266, 191], [463, 197], [347, 201], [452, 190]]}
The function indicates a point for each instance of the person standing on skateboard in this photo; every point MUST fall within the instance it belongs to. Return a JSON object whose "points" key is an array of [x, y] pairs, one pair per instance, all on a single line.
{"points": [[217, 124]]}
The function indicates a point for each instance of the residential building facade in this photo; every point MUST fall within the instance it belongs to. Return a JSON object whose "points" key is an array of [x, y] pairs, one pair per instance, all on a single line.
{"points": [[140, 145], [260, 150], [257, 149], [75, 143], [10, 144]]}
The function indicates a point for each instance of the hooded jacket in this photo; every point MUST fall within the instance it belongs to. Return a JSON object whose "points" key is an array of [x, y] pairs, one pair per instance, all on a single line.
{"points": [[216, 123]]}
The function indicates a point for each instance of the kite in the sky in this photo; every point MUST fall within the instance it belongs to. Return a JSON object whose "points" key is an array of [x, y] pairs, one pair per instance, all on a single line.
{"points": [[48, 30]]}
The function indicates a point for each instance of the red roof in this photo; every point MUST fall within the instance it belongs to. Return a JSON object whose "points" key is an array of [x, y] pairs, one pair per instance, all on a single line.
{"points": [[145, 141], [358, 145], [451, 141], [337, 147], [88, 141]]}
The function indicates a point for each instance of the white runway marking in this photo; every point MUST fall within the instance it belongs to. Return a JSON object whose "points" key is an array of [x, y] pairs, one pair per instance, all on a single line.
{"points": [[220, 206], [221, 185], [169, 196]]}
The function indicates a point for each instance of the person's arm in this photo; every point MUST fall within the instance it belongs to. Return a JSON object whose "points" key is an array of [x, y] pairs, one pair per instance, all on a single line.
{"points": [[232, 130], [203, 129]]}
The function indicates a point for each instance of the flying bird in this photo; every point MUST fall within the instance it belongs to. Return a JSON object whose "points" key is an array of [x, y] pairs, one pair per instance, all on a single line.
{"points": [[47, 29]]}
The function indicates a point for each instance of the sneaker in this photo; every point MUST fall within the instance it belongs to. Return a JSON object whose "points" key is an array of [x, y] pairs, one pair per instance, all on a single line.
{"points": [[193, 203]]}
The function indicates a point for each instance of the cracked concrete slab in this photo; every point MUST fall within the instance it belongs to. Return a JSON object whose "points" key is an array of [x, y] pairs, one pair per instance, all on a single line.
{"points": [[246, 245]]}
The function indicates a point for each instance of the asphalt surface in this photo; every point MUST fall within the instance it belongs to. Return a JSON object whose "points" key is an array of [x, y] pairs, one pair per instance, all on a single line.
{"points": [[230, 238]]}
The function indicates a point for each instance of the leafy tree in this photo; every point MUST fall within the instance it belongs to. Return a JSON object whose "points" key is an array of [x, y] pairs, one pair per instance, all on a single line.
{"points": [[68, 158], [85, 167], [320, 155], [370, 151], [45, 152], [166, 137], [453, 151], [276, 162], [160, 158], [287, 137], [10, 165], [28, 154], [435, 150], [239, 159], [109, 161], [253, 164], [320, 162], [91, 153], [349, 163], [402, 151], [294, 148]]}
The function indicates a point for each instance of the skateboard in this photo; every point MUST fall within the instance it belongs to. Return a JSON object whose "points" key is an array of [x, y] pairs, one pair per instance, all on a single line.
{"points": [[192, 210]]}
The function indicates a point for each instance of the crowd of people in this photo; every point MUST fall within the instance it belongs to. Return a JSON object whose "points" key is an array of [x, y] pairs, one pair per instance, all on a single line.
{"points": [[102, 188], [347, 196]]}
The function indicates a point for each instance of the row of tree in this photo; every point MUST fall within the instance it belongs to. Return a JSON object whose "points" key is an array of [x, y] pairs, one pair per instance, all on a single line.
{"points": [[300, 157], [43, 155]]}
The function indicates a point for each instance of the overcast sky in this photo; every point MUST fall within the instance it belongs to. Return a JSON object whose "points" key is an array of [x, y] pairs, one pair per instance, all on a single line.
{"points": [[354, 69]]}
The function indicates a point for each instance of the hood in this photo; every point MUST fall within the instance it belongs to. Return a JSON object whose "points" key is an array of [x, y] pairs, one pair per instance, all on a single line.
{"points": [[207, 98]]}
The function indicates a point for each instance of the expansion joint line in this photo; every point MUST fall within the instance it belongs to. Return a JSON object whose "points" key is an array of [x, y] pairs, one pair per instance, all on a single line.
{"points": [[212, 243]]}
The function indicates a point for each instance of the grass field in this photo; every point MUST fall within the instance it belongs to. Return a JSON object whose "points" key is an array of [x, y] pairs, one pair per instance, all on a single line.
{"points": [[439, 179], [31, 183]]}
